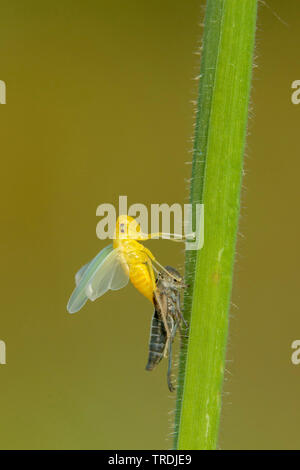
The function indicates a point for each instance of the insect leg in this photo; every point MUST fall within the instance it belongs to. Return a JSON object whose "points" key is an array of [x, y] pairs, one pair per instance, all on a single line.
{"points": [[163, 315], [179, 313], [170, 385], [162, 268], [174, 237]]}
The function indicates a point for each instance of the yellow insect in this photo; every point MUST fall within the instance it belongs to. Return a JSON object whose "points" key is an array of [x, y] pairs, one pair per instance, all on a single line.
{"points": [[111, 269], [135, 258]]}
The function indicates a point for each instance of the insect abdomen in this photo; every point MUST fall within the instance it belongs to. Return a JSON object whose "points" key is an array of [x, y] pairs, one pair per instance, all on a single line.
{"points": [[157, 342], [141, 279]]}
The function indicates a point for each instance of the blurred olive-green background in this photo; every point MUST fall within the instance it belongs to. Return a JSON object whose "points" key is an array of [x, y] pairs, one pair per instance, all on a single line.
{"points": [[99, 105]]}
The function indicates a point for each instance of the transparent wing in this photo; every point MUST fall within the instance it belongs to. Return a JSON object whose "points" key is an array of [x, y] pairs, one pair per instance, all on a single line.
{"points": [[111, 276], [107, 259], [80, 273]]}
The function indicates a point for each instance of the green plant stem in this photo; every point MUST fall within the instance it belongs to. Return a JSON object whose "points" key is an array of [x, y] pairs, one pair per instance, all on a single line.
{"points": [[222, 111]]}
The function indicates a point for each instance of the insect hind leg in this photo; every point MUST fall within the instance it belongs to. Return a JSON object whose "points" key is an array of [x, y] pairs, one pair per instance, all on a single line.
{"points": [[169, 380], [165, 322]]}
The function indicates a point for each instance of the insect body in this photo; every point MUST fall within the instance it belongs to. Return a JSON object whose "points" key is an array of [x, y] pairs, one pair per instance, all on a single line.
{"points": [[157, 340], [135, 258], [111, 269], [167, 311]]}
